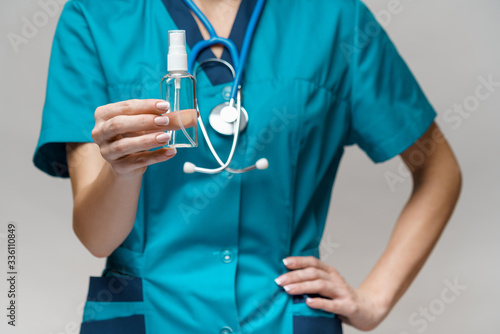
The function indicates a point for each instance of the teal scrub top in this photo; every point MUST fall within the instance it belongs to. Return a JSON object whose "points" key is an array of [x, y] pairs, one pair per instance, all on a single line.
{"points": [[205, 250]]}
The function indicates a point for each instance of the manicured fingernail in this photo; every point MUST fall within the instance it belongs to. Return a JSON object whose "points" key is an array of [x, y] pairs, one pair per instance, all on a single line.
{"points": [[286, 262], [309, 300], [163, 138], [163, 105], [279, 281], [170, 152], [287, 288], [161, 120]]}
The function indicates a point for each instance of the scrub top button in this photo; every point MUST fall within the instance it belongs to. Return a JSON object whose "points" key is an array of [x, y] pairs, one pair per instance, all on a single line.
{"points": [[226, 257], [226, 330], [226, 93]]}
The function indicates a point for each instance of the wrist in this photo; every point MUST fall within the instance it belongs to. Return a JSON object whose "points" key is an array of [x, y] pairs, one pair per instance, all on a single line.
{"points": [[133, 177], [378, 300]]}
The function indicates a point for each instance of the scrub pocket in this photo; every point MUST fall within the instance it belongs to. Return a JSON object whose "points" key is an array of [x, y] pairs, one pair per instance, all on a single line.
{"points": [[115, 304], [312, 321]]}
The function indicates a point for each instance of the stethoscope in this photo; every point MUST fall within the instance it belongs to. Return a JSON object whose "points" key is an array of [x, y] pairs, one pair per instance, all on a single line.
{"points": [[229, 117]]}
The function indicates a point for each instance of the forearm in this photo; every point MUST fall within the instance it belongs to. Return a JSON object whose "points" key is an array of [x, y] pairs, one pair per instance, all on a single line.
{"points": [[104, 211], [417, 230]]}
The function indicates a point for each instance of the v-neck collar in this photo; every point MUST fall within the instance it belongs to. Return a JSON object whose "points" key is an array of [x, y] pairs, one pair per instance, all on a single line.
{"points": [[185, 21]]}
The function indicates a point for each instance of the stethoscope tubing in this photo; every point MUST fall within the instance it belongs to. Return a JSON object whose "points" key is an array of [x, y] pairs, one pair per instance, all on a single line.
{"points": [[200, 46], [238, 60], [223, 166], [235, 96], [252, 24]]}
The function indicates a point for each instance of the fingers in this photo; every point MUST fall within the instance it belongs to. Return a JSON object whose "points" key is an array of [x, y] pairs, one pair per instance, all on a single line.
{"points": [[127, 145], [300, 275], [126, 131], [322, 287], [136, 161], [332, 305], [132, 107], [300, 262], [107, 127], [124, 124], [187, 118], [310, 275]]}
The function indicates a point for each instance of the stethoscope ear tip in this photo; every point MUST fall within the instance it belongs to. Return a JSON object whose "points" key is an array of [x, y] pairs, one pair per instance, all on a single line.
{"points": [[262, 164], [189, 168]]}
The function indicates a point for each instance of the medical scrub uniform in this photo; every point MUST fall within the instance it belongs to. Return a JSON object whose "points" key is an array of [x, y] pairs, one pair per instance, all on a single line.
{"points": [[205, 250]]}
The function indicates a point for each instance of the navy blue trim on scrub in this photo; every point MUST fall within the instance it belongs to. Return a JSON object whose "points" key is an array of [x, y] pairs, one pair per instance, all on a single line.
{"points": [[302, 298], [316, 325], [125, 325], [115, 289], [184, 20]]}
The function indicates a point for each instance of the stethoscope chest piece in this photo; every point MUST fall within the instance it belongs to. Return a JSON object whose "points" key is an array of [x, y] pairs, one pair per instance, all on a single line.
{"points": [[221, 124]]}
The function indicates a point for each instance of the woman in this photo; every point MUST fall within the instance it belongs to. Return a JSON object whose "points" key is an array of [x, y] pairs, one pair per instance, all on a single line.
{"points": [[192, 253]]}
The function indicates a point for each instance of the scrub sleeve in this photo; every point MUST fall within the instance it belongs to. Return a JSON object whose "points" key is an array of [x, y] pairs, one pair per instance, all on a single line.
{"points": [[76, 86], [389, 111]]}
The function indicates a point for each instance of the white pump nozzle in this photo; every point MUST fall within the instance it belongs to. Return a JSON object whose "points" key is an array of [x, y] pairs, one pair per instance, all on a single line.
{"points": [[177, 55]]}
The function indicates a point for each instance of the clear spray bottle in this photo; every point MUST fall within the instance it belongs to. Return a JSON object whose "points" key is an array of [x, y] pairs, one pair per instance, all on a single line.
{"points": [[178, 88]]}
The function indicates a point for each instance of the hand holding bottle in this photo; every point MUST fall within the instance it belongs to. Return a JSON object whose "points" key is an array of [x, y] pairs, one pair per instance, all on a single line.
{"points": [[126, 132]]}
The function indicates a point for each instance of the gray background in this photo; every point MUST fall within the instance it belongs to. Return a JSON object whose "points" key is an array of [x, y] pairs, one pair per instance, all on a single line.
{"points": [[448, 44]]}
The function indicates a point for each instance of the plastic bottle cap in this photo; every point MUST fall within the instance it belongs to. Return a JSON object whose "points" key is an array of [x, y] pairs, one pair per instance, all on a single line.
{"points": [[177, 55]]}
